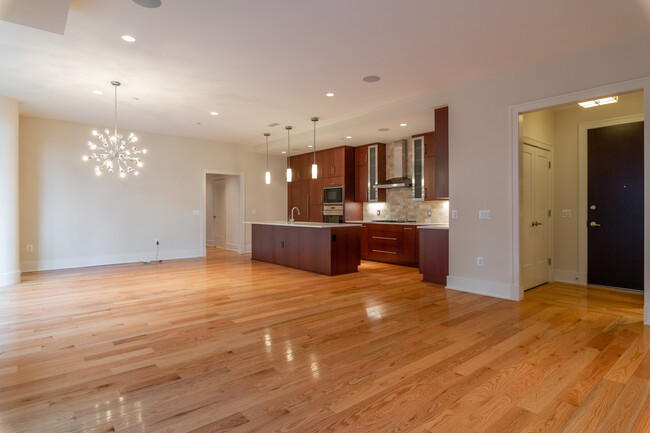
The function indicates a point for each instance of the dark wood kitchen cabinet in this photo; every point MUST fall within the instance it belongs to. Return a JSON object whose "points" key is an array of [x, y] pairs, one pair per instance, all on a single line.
{"points": [[390, 243], [411, 245], [434, 255], [335, 168], [442, 153], [364, 161], [298, 196]]}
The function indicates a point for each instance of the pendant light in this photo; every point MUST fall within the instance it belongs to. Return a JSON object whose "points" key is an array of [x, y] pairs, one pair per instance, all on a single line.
{"points": [[314, 167], [289, 173], [268, 173], [111, 152]]}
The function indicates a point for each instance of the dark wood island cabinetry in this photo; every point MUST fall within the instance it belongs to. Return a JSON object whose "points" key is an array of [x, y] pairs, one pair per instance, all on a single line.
{"points": [[330, 249]]}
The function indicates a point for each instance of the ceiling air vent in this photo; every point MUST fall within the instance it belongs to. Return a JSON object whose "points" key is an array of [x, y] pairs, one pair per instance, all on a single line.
{"points": [[274, 124]]}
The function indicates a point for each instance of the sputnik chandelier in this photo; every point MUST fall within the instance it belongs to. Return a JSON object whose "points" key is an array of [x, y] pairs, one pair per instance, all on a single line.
{"points": [[112, 152]]}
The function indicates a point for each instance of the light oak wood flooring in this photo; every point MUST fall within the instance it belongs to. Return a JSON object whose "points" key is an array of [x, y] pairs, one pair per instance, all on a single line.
{"points": [[226, 344]]}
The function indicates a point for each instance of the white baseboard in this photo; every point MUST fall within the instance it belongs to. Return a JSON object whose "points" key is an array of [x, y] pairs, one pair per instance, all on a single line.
{"points": [[482, 287], [646, 314], [9, 278], [571, 277], [209, 243], [82, 262]]}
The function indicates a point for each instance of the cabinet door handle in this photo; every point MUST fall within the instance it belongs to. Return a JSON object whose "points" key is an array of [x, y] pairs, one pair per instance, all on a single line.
{"points": [[408, 228], [382, 237], [385, 252]]}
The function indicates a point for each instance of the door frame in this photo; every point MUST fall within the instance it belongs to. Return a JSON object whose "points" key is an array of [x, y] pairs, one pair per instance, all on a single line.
{"points": [[214, 206], [204, 173], [583, 233], [516, 139]]}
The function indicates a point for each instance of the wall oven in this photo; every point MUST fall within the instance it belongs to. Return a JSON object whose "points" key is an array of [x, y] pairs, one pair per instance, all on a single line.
{"points": [[332, 194], [333, 213]]}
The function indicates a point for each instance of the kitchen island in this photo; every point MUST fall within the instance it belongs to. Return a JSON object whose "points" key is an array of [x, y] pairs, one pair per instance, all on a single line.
{"points": [[330, 249]]}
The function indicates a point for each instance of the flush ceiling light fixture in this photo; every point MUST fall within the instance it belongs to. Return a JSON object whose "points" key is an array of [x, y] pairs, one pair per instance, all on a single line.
{"points": [[111, 152], [268, 173], [314, 167], [128, 38], [289, 173], [148, 3], [597, 102]]}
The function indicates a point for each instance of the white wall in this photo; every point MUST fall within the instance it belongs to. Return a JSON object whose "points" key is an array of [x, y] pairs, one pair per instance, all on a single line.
{"points": [[481, 156], [74, 218]]}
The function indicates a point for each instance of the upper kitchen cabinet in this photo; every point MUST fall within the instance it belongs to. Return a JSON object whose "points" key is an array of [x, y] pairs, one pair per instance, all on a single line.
{"points": [[301, 166], [431, 161], [370, 169], [442, 153], [334, 162], [424, 166]]}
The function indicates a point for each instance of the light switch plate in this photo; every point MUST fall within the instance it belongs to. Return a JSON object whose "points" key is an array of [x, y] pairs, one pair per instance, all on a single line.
{"points": [[429, 212], [566, 213], [485, 214], [454, 214], [196, 212], [479, 261], [378, 212]]}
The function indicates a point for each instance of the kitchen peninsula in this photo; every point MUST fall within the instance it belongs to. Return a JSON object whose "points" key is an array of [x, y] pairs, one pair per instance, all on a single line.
{"points": [[330, 249]]}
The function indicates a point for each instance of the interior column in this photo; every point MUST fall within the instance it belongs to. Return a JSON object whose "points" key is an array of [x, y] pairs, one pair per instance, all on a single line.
{"points": [[9, 238]]}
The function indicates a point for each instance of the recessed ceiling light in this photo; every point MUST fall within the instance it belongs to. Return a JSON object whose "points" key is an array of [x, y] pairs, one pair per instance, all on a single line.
{"points": [[310, 145], [371, 78], [128, 38], [348, 137], [98, 92], [213, 113], [402, 124], [330, 94], [284, 151], [383, 129]]}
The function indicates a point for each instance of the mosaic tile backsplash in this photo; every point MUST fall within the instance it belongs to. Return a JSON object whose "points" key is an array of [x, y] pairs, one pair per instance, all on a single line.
{"points": [[399, 204]]}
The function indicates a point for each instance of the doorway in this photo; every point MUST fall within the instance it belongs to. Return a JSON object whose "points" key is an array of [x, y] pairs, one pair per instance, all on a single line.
{"points": [[569, 245], [223, 199]]}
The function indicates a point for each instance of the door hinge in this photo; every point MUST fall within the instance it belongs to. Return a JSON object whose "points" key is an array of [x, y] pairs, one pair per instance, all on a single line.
{"points": [[549, 212], [549, 261], [549, 164]]}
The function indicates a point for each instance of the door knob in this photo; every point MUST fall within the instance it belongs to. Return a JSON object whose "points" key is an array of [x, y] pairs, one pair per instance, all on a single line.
{"points": [[594, 224]]}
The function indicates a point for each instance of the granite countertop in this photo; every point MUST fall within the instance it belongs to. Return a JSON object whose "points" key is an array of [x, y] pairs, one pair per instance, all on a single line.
{"points": [[303, 224]]}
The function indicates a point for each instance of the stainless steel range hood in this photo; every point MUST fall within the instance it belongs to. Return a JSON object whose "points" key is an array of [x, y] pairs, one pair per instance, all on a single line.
{"points": [[400, 177]]}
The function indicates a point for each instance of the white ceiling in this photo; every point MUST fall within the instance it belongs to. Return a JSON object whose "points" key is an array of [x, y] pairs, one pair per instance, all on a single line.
{"points": [[258, 61]]}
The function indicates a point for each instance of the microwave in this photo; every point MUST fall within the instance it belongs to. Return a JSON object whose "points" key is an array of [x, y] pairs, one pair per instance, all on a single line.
{"points": [[333, 194]]}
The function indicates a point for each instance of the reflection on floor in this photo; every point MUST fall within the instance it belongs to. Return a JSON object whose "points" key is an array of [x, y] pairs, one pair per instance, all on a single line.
{"points": [[626, 303], [224, 343]]}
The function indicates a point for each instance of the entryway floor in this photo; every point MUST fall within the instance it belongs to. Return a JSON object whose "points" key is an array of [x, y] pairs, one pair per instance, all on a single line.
{"points": [[624, 303]]}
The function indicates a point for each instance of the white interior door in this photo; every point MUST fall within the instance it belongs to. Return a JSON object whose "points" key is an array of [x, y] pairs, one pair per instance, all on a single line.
{"points": [[535, 216], [219, 212]]}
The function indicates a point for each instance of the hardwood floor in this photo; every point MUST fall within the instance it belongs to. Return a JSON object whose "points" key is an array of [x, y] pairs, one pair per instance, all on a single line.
{"points": [[226, 344]]}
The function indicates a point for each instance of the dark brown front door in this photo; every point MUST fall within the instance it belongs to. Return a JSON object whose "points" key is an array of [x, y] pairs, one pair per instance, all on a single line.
{"points": [[615, 206]]}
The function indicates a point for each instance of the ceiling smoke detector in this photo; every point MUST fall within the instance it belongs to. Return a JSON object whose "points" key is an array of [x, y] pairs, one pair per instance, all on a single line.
{"points": [[371, 78], [148, 3]]}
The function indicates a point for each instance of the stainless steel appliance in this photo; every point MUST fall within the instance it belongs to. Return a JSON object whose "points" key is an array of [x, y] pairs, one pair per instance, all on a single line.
{"points": [[333, 213], [333, 195]]}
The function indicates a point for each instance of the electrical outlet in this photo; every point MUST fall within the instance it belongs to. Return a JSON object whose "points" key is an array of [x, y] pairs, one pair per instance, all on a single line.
{"points": [[429, 212], [479, 261], [454, 214], [196, 212], [485, 214], [29, 248], [156, 241], [254, 212], [566, 213], [378, 212]]}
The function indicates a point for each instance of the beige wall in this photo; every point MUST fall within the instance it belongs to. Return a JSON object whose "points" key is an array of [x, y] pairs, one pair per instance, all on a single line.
{"points": [[74, 218], [565, 193]]}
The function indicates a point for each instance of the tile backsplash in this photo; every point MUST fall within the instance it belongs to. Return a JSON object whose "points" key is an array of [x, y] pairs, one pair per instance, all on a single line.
{"points": [[399, 204]]}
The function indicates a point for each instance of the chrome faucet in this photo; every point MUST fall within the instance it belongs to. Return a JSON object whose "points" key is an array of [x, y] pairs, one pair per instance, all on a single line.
{"points": [[291, 220]]}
